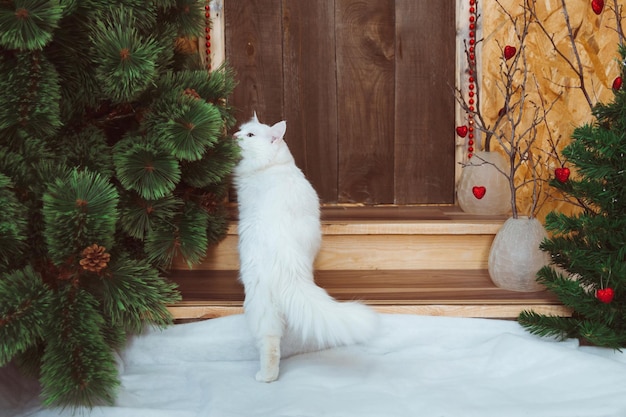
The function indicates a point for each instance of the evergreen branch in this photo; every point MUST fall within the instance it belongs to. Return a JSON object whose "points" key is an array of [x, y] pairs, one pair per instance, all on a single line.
{"points": [[187, 24], [78, 367], [24, 308], [548, 326], [601, 334], [13, 225], [194, 132], [214, 167], [187, 237], [220, 84], [138, 216], [82, 208], [126, 65], [218, 225], [213, 88], [29, 96], [135, 295], [29, 24], [569, 290], [87, 149], [152, 173]]}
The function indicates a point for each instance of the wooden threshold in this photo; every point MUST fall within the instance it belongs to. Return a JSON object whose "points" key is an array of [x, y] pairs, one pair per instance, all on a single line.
{"points": [[389, 212], [405, 220], [205, 310]]}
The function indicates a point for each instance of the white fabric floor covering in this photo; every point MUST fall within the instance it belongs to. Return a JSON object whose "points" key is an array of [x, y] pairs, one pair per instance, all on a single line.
{"points": [[416, 366]]}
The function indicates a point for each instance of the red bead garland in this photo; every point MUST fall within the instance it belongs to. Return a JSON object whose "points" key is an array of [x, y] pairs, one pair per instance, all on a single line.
{"points": [[472, 99], [473, 19], [207, 31]]}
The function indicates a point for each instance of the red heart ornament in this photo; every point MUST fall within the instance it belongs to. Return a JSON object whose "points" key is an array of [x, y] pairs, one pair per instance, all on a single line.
{"points": [[562, 174], [617, 83], [597, 6], [479, 191], [605, 295], [509, 52], [461, 131]]}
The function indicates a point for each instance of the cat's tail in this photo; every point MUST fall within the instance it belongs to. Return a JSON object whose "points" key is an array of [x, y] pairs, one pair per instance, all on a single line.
{"points": [[323, 322]]}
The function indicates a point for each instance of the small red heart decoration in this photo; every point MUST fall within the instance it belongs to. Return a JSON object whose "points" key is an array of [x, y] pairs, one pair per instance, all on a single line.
{"points": [[597, 6], [617, 83], [509, 52], [461, 131], [479, 191], [562, 174], [605, 295]]}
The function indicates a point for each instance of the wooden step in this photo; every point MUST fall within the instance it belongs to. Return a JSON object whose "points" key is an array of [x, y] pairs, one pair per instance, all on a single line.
{"points": [[386, 238], [425, 260], [467, 293]]}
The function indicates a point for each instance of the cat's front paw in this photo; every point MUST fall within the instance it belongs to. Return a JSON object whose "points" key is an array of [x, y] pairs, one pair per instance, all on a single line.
{"points": [[267, 375]]}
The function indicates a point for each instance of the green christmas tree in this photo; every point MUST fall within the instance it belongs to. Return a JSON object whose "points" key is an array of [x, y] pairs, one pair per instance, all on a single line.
{"points": [[114, 160], [589, 247]]}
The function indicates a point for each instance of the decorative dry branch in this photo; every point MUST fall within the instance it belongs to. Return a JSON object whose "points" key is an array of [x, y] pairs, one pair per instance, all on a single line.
{"points": [[617, 10], [577, 66], [517, 131]]}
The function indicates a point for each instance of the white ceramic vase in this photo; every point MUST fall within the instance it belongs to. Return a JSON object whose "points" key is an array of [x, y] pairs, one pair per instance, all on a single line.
{"points": [[481, 176], [515, 257]]}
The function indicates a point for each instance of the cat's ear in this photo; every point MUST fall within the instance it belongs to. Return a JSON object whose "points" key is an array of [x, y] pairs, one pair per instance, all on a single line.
{"points": [[254, 117], [278, 131]]}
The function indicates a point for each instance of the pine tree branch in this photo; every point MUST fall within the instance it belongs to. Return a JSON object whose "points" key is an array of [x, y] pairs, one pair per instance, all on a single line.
{"points": [[560, 328], [135, 295], [78, 367], [24, 307]]}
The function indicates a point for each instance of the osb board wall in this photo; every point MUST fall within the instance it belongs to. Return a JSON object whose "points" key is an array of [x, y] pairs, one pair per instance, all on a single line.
{"points": [[596, 40]]}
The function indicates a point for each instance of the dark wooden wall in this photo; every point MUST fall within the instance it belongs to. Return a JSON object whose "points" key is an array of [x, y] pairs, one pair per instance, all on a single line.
{"points": [[365, 87]]}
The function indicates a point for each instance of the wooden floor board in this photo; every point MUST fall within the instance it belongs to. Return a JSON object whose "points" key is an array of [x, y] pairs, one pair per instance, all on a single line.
{"points": [[401, 286]]}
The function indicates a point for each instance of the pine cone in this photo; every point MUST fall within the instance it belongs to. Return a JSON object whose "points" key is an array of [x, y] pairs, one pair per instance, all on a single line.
{"points": [[95, 258], [192, 93]]}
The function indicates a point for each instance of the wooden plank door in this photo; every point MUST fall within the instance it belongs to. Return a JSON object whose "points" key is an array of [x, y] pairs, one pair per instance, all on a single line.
{"points": [[365, 87]]}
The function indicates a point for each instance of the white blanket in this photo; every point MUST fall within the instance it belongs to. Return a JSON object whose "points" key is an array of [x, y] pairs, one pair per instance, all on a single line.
{"points": [[417, 366]]}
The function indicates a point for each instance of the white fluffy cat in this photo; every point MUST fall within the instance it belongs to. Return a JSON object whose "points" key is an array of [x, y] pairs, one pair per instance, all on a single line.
{"points": [[279, 237]]}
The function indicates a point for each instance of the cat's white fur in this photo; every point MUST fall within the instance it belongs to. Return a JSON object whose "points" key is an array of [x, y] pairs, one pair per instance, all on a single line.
{"points": [[279, 238]]}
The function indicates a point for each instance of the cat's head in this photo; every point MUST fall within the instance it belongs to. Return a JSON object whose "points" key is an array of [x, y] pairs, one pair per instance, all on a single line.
{"points": [[261, 145]]}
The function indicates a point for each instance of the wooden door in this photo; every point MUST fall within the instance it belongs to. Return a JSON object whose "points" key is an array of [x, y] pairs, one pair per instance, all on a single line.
{"points": [[366, 87]]}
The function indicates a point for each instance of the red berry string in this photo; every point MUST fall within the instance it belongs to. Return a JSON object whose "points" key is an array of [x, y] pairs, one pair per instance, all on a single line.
{"points": [[471, 73], [207, 32]]}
